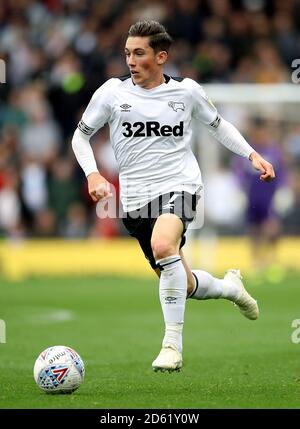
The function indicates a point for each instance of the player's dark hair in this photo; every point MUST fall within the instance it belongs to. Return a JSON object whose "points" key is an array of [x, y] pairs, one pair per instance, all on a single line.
{"points": [[159, 39]]}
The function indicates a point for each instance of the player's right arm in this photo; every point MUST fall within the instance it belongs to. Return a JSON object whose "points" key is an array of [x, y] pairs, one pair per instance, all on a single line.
{"points": [[95, 116], [98, 186]]}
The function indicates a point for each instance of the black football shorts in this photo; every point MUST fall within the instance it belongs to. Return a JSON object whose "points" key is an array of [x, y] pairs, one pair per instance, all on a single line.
{"points": [[140, 223]]}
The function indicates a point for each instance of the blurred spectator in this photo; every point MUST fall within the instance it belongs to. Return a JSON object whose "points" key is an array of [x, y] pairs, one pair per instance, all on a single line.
{"points": [[67, 91], [286, 37], [269, 67], [222, 187], [146, 10], [184, 21], [45, 225], [76, 224], [291, 220], [34, 191], [40, 137], [245, 70], [239, 29], [10, 209], [292, 144], [63, 189], [11, 114], [263, 223]]}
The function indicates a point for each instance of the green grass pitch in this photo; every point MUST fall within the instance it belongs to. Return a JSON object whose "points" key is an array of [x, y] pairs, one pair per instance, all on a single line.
{"points": [[116, 325]]}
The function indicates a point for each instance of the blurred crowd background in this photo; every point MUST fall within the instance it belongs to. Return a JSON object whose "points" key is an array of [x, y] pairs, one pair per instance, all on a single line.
{"points": [[57, 53]]}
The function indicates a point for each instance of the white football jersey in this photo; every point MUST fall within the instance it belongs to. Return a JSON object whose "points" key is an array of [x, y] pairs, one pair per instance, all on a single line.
{"points": [[150, 132]]}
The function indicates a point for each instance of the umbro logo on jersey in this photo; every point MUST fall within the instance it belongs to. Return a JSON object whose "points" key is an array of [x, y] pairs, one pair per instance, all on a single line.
{"points": [[125, 107], [176, 105]]}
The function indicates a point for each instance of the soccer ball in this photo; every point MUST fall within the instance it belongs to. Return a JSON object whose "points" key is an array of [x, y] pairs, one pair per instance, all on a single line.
{"points": [[59, 369]]}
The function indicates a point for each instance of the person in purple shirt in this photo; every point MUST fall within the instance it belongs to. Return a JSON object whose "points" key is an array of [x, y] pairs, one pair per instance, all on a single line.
{"points": [[261, 219]]}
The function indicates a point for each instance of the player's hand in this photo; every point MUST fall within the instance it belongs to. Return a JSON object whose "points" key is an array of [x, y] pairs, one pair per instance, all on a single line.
{"points": [[265, 167], [99, 187]]}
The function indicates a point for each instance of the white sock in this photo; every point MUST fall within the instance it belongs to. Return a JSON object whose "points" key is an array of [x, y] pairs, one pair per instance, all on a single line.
{"points": [[207, 287], [173, 335], [172, 293]]}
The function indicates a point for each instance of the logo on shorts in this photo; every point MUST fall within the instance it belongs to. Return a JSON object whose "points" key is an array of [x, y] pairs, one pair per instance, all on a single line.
{"points": [[176, 105], [125, 107]]}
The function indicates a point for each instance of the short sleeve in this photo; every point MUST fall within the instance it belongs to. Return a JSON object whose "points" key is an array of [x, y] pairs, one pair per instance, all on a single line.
{"points": [[203, 109], [98, 110]]}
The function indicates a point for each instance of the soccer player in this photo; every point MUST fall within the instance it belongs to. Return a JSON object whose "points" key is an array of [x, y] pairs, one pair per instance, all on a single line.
{"points": [[149, 115]]}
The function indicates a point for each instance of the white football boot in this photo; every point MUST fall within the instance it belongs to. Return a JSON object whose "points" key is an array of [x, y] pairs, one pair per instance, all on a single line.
{"points": [[247, 305], [168, 360]]}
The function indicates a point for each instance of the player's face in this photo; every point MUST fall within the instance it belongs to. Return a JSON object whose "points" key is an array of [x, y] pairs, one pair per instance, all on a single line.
{"points": [[144, 64]]}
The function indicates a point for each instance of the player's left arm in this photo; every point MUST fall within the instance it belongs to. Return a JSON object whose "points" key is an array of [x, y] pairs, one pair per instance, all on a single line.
{"points": [[223, 131], [229, 136]]}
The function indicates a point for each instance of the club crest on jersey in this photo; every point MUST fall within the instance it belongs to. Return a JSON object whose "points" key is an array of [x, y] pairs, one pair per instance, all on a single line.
{"points": [[125, 107], [176, 105]]}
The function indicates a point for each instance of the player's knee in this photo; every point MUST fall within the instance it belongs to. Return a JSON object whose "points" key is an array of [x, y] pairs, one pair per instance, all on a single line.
{"points": [[162, 249]]}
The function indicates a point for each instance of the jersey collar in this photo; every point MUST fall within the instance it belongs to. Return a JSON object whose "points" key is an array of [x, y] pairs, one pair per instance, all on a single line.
{"points": [[167, 79]]}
